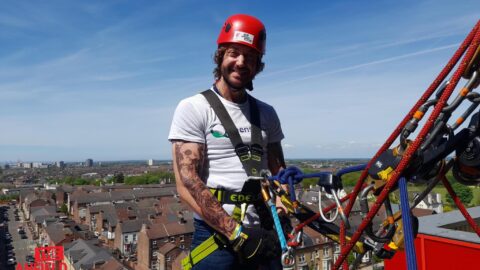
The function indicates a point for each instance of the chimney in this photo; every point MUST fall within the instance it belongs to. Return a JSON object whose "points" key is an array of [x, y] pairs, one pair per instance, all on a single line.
{"points": [[429, 199]]}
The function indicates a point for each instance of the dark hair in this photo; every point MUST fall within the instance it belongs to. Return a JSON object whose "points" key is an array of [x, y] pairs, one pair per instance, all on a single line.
{"points": [[218, 59]]}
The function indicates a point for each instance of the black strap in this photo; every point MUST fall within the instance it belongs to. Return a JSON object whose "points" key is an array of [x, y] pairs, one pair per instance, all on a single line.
{"points": [[250, 155]]}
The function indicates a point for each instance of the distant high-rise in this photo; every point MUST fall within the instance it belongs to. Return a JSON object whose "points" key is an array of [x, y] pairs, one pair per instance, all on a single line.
{"points": [[150, 162], [60, 164], [88, 162], [28, 165]]}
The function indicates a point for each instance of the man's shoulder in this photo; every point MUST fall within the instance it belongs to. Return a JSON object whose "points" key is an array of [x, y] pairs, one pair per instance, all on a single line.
{"points": [[263, 106], [196, 99]]}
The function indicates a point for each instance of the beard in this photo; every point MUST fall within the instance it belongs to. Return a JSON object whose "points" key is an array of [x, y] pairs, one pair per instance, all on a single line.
{"points": [[244, 83], [234, 87]]}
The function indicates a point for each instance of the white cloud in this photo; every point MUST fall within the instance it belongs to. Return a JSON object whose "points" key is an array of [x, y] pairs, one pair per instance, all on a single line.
{"points": [[286, 145]]}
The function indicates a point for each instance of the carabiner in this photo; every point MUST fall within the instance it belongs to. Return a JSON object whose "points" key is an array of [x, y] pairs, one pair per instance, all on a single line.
{"points": [[288, 260]]}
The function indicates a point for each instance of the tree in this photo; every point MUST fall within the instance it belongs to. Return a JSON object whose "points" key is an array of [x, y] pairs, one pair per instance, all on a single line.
{"points": [[64, 209], [118, 178], [463, 192]]}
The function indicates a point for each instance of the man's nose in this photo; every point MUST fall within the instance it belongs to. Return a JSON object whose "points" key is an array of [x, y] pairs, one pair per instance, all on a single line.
{"points": [[241, 60]]}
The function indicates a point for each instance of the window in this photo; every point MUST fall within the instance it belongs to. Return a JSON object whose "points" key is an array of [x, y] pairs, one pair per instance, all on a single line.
{"points": [[366, 256], [165, 240], [167, 258], [337, 248], [134, 237], [301, 258], [326, 265], [154, 242], [314, 255], [172, 239], [182, 238], [325, 251], [182, 246], [125, 238]]}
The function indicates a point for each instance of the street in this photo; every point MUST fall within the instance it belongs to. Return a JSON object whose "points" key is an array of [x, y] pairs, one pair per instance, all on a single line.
{"points": [[21, 247]]}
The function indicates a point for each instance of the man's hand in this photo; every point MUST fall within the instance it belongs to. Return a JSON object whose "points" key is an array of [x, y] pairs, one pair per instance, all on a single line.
{"points": [[255, 244], [281, 208]]}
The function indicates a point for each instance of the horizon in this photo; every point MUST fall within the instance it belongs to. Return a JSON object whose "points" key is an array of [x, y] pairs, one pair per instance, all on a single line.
{"points": [[146, 160], [102, 79]]}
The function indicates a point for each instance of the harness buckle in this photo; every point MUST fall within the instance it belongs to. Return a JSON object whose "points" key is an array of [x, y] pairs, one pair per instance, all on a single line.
{"points": [[256, 152], [243, 151]]}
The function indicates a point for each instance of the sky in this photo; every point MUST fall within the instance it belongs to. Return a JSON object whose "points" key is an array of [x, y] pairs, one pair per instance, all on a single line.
{"points": [[101, 79]]}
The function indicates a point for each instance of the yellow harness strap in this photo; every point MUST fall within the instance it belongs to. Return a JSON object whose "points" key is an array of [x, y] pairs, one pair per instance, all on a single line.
{"points": [[208, 246]]}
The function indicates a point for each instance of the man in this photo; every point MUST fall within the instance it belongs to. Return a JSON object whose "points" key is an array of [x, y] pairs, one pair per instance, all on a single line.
{"points": [[209, 162]]}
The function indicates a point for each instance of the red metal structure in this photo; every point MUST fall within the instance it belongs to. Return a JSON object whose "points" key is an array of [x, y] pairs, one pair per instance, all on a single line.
{"points": [[438, 253], [423, 158], [468, 47]]}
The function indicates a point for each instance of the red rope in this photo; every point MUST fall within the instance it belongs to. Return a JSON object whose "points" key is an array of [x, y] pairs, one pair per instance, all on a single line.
{"points": [[472, 38], [460, 206]]}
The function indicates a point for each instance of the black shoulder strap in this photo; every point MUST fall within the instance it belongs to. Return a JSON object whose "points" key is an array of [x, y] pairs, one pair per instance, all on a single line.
{"points": [[250, 156]]}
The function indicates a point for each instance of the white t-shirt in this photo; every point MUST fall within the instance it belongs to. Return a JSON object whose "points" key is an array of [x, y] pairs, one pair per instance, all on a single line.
{"points": [[195, 121]]}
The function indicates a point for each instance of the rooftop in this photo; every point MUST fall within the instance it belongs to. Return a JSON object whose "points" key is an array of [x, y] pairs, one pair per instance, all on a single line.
{"points": [[451, 225]]}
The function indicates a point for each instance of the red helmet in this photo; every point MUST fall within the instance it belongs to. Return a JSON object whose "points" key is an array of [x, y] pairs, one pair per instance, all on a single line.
{"points": [[244, 29]]}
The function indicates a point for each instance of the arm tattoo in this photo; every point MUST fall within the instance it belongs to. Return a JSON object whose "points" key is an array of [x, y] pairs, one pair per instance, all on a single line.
{"points": [[189, 159]]}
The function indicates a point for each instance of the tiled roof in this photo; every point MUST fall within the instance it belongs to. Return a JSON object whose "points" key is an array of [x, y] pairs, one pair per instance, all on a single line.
{"points": [[121, 195], [47, 210], [55, 232], [111, 264], [110, 214], [84, 254], [161, 230], [129, 226]]}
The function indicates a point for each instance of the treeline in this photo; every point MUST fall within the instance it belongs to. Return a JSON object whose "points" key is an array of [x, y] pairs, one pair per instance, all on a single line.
{"points": [[150, 178], [144, 179], [8, 198], [75, 181]]}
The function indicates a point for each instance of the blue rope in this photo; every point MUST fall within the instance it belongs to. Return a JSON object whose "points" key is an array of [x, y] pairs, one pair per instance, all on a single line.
{"points": [[278, 225], [407, 226], [351, 169]]}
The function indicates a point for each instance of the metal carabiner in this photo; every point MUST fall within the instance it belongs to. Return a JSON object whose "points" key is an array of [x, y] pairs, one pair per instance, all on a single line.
{"points": [[390, 226], [340, 209], [288, 259]]}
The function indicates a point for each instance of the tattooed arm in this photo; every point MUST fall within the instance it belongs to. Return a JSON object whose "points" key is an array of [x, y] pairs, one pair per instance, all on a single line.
{"points": [[187, 159]]}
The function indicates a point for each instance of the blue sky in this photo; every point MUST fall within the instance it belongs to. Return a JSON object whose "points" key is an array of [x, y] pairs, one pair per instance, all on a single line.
{"points": [[101, 79]]}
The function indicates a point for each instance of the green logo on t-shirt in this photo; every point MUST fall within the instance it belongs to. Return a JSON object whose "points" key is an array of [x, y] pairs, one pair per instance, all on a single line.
{"points": [[218, 134]]}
